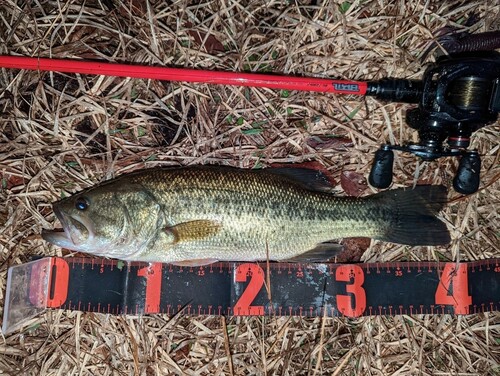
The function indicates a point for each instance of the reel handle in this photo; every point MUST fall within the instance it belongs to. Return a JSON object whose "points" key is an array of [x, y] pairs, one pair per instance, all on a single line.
{"points": [[381, 172], [466, 180]]}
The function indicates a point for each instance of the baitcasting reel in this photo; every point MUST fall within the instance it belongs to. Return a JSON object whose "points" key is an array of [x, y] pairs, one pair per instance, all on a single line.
{"points": [[455, 98]]}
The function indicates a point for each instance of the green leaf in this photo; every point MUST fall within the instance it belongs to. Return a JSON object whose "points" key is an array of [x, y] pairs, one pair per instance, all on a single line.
{"points": [[344, 7], [258, 166], [32, 327], [353, 113], [302, 123], [117, 131], [258, 124], [409, 322], [252, 131], [442, 257], [240, 121], [141, 132], [120, 264], [134, 93], [285, 93], [247, 94]]}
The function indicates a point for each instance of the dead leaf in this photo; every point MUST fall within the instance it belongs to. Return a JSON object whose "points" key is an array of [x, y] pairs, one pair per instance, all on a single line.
{"points": [[133, 7], [211, 45], [322, 142], [353, 249], [181, 353], [353, 183], [9, 181]]}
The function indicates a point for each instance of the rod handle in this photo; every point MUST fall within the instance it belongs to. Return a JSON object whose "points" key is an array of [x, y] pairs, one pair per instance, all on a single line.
{"points": [[466, 180], [381, 172]]}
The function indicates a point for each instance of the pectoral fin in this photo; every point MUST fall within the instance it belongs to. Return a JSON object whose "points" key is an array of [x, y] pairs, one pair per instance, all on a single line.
{"points": [[195, 262], [193, 230], [322, 252]]}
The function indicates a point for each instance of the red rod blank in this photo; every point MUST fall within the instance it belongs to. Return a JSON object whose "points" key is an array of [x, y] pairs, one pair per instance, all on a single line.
{"points": [[185, 75]]}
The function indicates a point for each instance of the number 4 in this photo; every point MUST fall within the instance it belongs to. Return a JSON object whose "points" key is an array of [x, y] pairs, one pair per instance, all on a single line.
{"points": [[453, 288]]}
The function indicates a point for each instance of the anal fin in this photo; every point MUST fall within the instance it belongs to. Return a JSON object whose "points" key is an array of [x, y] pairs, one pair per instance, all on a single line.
{"points": [[322, 252]]}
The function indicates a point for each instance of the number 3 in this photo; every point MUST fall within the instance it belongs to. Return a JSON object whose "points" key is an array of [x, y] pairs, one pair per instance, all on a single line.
{"points": [[351, 305]]}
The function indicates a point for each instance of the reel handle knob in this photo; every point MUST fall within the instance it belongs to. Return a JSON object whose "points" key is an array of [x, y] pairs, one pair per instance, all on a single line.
{"points": [[466, 180], [381, 172]]}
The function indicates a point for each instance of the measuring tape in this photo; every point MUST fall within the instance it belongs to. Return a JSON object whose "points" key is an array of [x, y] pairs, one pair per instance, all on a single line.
{"points": [[351, 290]]}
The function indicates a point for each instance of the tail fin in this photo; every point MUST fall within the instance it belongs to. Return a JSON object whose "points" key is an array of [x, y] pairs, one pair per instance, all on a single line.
{"points": [[413, 215]]}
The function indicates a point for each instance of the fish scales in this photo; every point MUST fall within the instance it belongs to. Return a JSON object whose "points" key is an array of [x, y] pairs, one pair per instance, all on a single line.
{"points": [[207, 214], [259, 213]]}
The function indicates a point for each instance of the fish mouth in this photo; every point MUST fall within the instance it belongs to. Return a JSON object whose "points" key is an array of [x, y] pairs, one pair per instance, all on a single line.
{"points": [[74, 233]]}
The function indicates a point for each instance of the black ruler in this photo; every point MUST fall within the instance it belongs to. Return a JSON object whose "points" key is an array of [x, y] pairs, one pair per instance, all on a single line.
{"points": [[352, 290]]}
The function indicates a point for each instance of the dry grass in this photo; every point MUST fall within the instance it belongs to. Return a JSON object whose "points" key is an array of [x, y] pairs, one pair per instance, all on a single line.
{"points": [[61, 133]]}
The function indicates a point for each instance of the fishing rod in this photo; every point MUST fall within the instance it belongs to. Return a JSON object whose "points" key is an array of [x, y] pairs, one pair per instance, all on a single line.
{"points": [[456, 96]]}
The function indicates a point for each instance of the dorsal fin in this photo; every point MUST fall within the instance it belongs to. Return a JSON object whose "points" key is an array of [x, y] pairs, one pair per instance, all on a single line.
{"points": [[313, 180]]}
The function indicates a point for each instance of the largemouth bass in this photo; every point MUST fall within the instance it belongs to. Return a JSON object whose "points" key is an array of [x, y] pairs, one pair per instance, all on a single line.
{"points": [[199, 215]]}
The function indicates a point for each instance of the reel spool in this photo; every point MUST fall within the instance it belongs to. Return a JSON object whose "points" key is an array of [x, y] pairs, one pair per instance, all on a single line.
{"points": [[456, 97]]}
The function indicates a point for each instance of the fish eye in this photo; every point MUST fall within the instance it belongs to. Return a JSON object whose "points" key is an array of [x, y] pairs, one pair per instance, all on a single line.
{"points": [[81, 203]]}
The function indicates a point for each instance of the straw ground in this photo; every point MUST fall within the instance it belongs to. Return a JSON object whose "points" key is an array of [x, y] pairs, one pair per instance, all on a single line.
{"points": [[63, 132]]}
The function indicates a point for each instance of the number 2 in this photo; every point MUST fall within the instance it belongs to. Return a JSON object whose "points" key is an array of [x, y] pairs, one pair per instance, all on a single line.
{"points": [[243, 306]]}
